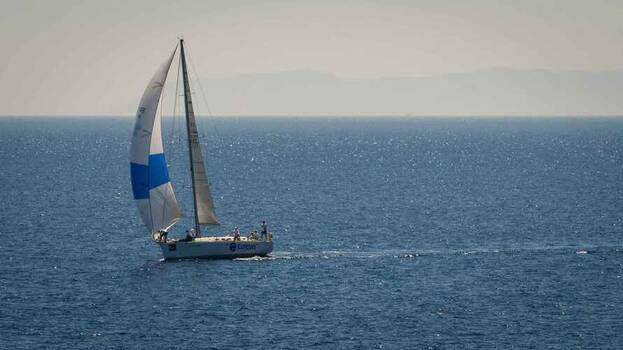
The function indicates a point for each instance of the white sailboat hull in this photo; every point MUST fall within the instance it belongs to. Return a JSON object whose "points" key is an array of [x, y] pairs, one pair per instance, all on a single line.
{"points": [[215, 248]]}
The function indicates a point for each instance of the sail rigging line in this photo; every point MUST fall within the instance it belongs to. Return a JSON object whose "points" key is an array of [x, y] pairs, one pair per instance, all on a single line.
{"points": [[151, 210], [176, 97], [161, 109], [198, 81], [192, 66], [204, 99], [176, 133], [173, 134]]}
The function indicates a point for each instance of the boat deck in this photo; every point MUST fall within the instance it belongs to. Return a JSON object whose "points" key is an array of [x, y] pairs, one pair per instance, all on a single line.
{"points": [[210, 239]]}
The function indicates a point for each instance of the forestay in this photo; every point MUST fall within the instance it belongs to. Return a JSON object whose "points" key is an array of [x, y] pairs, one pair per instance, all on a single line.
{"points": [[151, 185]]}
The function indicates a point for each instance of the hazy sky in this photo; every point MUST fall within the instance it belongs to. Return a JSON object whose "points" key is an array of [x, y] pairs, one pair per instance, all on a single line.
{"points": [[95, 57]]}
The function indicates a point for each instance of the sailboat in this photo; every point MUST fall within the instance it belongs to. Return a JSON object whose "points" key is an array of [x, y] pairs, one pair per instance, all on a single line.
{"points": [[153, 191]]}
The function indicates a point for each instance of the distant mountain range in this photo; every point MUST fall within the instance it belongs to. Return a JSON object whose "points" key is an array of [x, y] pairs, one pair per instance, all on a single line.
{"points": [[486, 92]]}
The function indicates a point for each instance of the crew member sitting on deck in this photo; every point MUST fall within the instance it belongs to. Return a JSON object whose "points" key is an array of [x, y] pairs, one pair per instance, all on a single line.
{"points": [[188, 237], [236, 234], [252, 236]]}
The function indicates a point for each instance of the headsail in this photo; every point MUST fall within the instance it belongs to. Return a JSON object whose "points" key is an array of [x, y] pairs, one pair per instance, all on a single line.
{"points": [[150, 177], [204, 205]]}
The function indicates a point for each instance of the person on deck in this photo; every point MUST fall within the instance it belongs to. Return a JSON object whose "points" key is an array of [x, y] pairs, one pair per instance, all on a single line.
{"points": [[264, 233], [236, 234], [163, 236], [188, 238]]}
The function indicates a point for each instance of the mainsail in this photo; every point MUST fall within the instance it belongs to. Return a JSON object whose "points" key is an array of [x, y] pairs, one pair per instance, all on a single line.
{"points": [[150, 177], [204, 206]]}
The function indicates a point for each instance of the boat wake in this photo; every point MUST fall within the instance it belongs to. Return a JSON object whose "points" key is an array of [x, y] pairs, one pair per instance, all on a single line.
{"points": [[410, 254], [332, 254], [256, 258]]}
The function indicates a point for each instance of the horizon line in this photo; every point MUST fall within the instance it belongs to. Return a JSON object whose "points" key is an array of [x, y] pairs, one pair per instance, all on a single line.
{"points": [[313, 116], [423, 76]]}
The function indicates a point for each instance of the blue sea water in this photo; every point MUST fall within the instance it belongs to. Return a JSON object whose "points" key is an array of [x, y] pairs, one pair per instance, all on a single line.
{"points": [[390, 233]]}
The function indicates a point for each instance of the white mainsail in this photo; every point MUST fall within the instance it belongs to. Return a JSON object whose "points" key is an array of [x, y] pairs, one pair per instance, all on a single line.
{"points": [[151, 185], [204, 205]]}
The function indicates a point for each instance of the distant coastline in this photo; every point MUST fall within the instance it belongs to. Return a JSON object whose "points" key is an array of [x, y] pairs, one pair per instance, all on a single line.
{"points": [[493, 92], [389, 117]]}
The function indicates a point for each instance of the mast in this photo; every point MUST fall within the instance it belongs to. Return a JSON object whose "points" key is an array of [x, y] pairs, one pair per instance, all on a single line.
{"points": [[202, 198]]}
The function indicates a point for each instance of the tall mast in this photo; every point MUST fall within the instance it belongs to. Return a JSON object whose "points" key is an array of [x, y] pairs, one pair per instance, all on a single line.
{"points": [[202, 198]]}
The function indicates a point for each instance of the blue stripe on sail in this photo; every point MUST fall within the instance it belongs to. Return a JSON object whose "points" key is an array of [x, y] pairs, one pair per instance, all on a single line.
{"points": [[145, 178], [139, 174], [158, 172]]}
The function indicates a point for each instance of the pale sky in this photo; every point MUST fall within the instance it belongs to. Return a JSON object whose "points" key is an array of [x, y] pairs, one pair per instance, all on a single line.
{"points": [[95, 57]]}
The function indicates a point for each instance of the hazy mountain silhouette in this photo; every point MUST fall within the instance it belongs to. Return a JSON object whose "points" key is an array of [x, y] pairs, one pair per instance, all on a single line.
{"points": [[487, 92]]}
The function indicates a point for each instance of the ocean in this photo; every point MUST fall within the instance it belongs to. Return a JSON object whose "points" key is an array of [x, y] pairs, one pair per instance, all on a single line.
{"points": [[390, 233]]}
